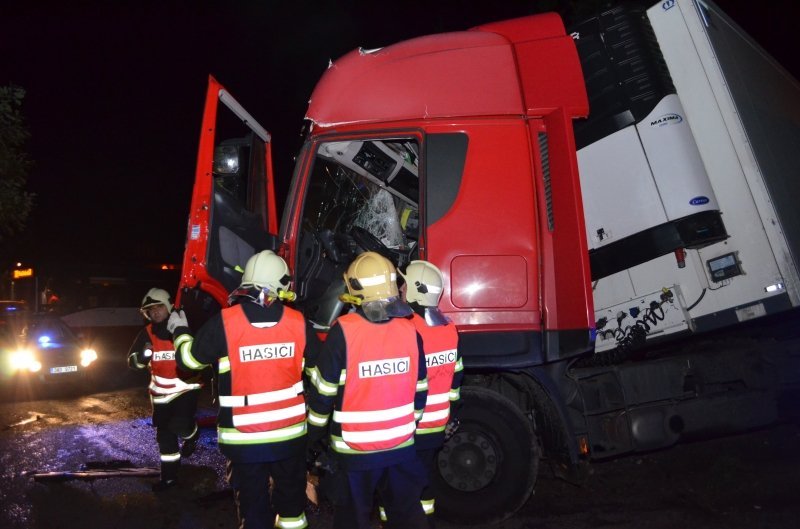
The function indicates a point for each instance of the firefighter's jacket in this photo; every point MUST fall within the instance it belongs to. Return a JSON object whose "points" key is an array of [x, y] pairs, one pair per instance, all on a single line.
{"points": [[154, 350], [266, 370], [257, 353], [370, 385], [445, 371]]}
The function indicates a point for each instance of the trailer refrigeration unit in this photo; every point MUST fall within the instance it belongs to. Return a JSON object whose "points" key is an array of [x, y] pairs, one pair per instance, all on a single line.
{"points": [[589, 270]]}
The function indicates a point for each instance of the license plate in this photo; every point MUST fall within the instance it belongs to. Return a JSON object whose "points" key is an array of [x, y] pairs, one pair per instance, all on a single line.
{"points": [[63, 369]]}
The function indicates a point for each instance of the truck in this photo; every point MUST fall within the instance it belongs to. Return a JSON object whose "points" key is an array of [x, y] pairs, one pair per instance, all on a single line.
{"points": [[611, 206]]}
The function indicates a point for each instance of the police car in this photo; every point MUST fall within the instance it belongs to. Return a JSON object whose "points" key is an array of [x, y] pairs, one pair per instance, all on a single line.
{"points": [[46, 350]]}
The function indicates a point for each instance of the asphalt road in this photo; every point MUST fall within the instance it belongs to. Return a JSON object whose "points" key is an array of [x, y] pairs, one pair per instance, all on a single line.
{"points": [[745, 481]]}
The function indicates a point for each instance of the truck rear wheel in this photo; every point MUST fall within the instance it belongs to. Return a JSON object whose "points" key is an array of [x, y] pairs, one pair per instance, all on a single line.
{"points": [[487, 470]]}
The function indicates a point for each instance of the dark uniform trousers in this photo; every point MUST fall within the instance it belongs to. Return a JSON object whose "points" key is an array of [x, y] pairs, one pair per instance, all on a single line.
{"points": [[173, 420], [399, 489], [428, 457], [250, 480]]}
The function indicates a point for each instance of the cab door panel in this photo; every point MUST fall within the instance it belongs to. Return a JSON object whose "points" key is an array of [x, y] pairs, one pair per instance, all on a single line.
{"points": [[232, 214]]}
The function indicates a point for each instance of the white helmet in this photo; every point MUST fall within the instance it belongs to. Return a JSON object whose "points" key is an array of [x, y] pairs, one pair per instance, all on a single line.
{"points": [[424, 283], [155, 296], [266, 271]]}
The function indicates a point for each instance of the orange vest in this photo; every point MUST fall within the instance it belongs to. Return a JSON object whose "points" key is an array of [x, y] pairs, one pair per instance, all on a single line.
{"points": [[381, 382], [440, 344], [266, 366], [166, 380]]}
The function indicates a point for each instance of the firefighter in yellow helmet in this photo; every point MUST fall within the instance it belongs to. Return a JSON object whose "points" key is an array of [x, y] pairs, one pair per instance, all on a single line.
{"points": [[370, 384], [257, 346], [173, 391]]}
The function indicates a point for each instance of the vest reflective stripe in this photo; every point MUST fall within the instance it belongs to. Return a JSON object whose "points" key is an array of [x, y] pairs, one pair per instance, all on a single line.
{"points": [[248, 419], [266, 369], [232, 436], [377, 410], [437, 399], [385, 434], [261, 398], [171, 457], [429, 417], [165, 388], [441, 356], [372, 416]]}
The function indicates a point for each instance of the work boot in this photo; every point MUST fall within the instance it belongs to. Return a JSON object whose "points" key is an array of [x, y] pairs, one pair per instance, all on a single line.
{"points": [[190, 443], [164, 484]]}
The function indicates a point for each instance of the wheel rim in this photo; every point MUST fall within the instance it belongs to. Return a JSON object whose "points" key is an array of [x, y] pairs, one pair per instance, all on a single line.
{"points": [[468, 461]]}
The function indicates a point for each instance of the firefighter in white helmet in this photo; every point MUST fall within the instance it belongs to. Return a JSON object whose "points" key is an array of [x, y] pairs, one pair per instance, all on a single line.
{"points": [[423, 288], [369, 383], [257, 346], [173, 391]]}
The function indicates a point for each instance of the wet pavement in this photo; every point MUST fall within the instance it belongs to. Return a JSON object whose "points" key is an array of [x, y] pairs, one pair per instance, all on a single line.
{"points": [[748, 481]]}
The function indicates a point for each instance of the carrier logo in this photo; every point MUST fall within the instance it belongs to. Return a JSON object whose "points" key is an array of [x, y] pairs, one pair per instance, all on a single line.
{"points": [[441, 358], [666, 119], [698, 201], [669, 4], [163, 356], [267, 351], [382, 368]]}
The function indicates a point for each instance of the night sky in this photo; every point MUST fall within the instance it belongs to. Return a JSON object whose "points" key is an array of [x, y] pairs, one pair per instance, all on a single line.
{"points": [[115, 94]]}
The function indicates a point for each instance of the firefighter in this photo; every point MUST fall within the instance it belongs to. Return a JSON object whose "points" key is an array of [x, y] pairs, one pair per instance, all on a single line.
{"points": [[257, 346], [173, 391], [369, 381], [422, 289]]}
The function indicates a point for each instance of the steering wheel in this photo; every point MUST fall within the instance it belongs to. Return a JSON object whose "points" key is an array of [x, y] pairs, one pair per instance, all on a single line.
{"points": [[370, 243]]}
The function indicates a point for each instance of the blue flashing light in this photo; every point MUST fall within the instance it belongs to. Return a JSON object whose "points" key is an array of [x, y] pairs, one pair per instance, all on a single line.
{"points": [[44, 340]]}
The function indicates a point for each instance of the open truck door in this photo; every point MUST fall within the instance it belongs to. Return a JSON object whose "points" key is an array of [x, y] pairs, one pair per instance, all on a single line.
{"points": [[232, 214]]}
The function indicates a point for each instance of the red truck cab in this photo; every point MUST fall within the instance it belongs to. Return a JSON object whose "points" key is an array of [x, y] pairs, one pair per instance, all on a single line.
{"points": [[456, 148]]}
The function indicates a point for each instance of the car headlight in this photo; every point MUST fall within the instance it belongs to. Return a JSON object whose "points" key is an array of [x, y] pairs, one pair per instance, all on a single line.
{"points": [[88, 356], [24, 360]]}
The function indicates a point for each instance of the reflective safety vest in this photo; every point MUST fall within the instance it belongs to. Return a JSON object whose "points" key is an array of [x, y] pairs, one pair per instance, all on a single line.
{"points": [[266, 367], [167, 381], [380, 384], [440, 343]]}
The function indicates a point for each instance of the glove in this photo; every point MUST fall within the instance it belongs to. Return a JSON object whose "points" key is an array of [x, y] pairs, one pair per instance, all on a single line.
{"points": [[177, 319]]}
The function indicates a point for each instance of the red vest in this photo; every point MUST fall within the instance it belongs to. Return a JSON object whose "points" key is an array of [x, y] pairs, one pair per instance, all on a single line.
{"points": [[381, 382], [166, 380], [440, 344], [266, 371]]}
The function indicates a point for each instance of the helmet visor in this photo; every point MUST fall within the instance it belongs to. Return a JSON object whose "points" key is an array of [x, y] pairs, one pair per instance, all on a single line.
{"points": [[385, 309], [434, 317]]}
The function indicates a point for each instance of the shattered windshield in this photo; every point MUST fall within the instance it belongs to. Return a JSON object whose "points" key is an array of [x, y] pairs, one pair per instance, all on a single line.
{"points": [[362, 196]]}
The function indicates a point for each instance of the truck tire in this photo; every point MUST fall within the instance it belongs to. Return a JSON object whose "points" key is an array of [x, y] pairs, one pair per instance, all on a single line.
{"points": [[486, 471]]}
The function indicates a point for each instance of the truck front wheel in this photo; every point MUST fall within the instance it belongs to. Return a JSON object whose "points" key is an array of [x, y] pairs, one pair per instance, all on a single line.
{"points": [[487, 470]]}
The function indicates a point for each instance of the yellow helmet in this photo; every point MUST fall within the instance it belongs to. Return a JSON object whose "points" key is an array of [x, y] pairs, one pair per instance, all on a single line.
{"points": [[423, 283], [266, 271], [371, 277], [155, 296]]}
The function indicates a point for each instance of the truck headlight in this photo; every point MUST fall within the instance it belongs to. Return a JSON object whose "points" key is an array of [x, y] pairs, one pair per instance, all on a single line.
{"points": [[88, 356]]}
